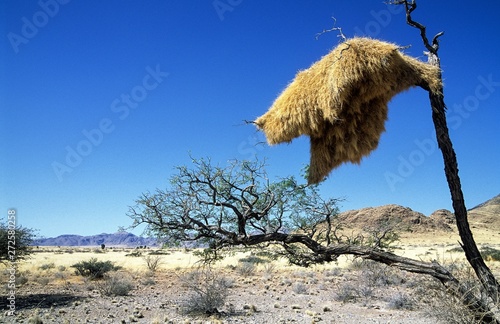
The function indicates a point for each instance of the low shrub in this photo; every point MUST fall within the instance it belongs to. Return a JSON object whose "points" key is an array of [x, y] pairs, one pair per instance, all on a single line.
{"points": [[400, 301], [447, 308], [490, 254], [44, 281], [93, 268], [207, 292], [253, 259], [246, 269], [148, 282], [115, 284], [153, 262], [346, 292], [269, 268], [60, 275], [134, 254], [21, 278], [334, 272], [300, 288], [35, 318], [47, 266]]}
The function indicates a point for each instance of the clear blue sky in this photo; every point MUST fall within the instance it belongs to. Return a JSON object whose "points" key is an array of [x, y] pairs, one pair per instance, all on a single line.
{"points": [[134, 87]]}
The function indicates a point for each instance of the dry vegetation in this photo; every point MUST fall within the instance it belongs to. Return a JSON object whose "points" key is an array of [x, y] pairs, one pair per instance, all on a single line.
{"points": [[244, 288]]}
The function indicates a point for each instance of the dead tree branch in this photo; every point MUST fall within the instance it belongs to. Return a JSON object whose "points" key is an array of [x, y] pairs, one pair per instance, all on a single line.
{"points": [[339, 29]]}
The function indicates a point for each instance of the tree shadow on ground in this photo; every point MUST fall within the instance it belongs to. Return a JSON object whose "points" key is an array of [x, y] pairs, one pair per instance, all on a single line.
{"points": [[40, 301]]}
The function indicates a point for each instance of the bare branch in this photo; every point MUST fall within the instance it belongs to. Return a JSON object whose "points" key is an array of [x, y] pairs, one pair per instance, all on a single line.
{"points": [[249, 122], [410, 6], [339, 29]]}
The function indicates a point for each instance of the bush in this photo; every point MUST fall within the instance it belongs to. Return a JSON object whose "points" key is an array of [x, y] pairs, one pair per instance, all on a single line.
{"points": [[300, 288], [94, 269], [153, 262], [253, 259], [346, 293], [207, 291], [269, 268], [334, 272], [44, 281], [35, 319], [148, 282], [60, 275], [134, 254], [246, 269], [21, 278], [47, 266], [400, 301], [447, 308], [115, 285], [379, 275], [490, 254]]}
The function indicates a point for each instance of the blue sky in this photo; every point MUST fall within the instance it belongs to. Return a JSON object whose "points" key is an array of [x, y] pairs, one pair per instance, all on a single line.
{"points": [[99, 101]]}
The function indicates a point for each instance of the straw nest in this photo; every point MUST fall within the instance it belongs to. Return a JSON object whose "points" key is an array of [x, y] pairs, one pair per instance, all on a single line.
{"points": [[340, 102]]}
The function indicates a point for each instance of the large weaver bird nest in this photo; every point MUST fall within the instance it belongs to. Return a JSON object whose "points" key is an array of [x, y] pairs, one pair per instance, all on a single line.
{"points": [[340, 102]]}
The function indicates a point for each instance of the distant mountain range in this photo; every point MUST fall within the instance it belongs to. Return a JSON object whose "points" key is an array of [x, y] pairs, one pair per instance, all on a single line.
{"points": [[486, 214], [122, 239]]}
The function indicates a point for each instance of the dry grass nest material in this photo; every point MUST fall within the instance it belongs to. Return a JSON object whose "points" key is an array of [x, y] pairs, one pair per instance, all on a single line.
{"points": [[340, 102]]}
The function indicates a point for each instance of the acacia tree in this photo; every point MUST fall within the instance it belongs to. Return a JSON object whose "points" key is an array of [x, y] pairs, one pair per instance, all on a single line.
{"points": [[15, 242], [237, 205]]}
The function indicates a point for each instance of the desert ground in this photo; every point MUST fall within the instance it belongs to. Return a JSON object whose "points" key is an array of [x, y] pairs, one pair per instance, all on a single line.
{"points": [[258, 290]]}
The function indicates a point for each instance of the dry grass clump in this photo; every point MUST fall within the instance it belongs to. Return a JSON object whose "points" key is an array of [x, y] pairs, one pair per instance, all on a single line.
{"points": [[246, 269], [347, 292], [153, 262], [446, 306], [340, 102], [207, 292], [116, 284], [35, 318], [400, 301]]}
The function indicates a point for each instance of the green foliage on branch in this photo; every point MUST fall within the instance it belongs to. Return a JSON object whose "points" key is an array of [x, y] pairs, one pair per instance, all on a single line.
{"points": [[15, 242]]}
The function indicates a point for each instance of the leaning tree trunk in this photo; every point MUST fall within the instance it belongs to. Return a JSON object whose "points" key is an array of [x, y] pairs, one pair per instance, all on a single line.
{"points": [[484, 274], [469, 246]]}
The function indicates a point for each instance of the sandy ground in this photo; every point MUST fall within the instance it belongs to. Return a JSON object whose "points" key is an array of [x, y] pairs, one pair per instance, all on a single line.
{"points": [[269, 293]]}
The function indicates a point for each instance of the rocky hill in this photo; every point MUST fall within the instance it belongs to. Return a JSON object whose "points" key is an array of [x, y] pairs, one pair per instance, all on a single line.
{"points": [[486, 214], [404, 218], [117, 239], [482, 216]]}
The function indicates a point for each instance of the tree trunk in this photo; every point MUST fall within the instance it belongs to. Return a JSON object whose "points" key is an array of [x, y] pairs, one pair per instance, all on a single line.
{"points": [[468, 244], [489, 282]]}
